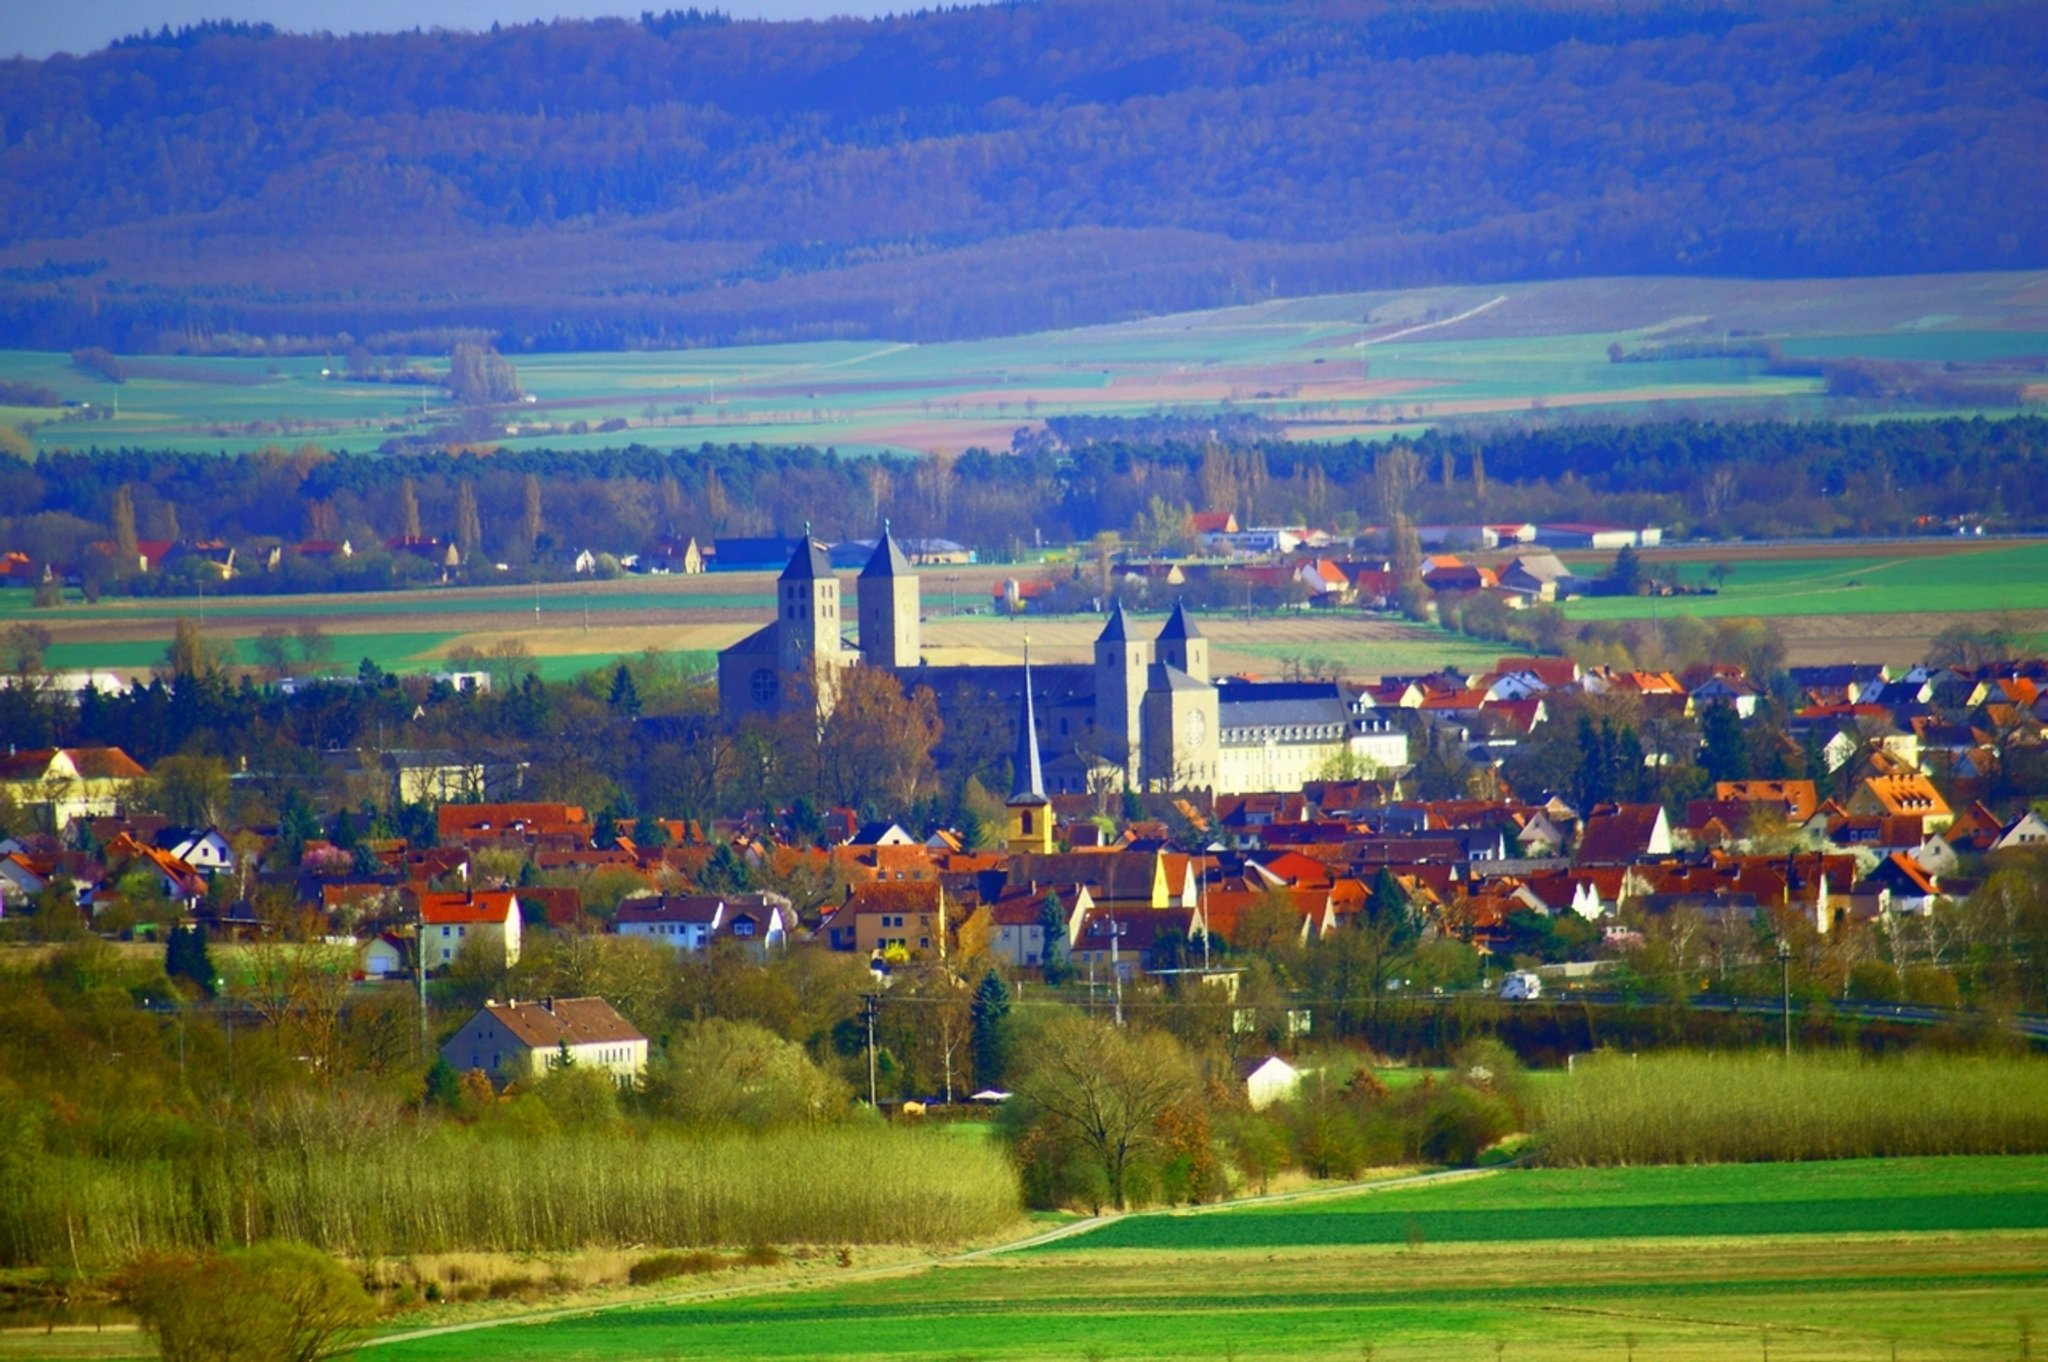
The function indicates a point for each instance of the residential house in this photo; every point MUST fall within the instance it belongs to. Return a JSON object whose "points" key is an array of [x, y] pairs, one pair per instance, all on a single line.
{"points": [[488, 920], [906, 915], [692, 922], [60, 784], [513, 1040], [1268, 1081], [1017, 922], [1622, 834], [1902, 795]]}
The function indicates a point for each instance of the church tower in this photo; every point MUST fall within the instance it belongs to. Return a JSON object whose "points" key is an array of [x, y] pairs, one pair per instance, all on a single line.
{"points": [[1184, 646], [1121, 664], [1028, 813], [1181, 711], [889, 631], [807, 619]]}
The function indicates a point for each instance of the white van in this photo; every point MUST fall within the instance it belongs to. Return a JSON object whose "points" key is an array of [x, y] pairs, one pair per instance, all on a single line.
{"points": [[1520, 986]]}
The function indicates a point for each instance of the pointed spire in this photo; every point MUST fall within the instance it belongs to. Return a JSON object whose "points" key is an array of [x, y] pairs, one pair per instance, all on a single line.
{"points": [[809, 561], [888, 559], [1028, 787], [1178, 625], [1116, 631]]}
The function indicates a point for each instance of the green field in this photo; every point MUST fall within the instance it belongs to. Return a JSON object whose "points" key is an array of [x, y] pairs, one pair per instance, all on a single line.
{"points": [[1991, 579], [1432, 354], [1870, 1197]]}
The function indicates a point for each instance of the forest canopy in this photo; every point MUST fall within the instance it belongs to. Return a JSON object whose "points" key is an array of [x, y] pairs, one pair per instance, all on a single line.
{"points": [[992, 169]]}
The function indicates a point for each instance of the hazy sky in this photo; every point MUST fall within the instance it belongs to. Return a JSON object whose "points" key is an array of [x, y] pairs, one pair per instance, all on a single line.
{"points": [[36, 28]]}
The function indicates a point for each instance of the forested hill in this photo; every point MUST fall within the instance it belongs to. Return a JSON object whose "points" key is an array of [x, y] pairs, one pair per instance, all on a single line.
{"points": [[998, 168]]}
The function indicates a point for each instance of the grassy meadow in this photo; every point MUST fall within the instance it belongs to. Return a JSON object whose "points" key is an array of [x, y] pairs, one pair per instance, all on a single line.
{"points": [[1970, 577]]}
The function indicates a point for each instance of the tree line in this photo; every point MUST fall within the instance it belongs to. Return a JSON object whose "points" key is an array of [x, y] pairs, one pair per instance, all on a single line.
{"points": [[530, 508]]}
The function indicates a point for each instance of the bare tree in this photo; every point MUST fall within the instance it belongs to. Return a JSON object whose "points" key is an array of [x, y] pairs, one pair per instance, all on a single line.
{"points": [[1104, 1090]]}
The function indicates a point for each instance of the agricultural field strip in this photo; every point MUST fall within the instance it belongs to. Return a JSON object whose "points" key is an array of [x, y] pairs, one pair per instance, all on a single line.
{"points": [[1854, 1196], [920, 1265], [1430, 1302]]}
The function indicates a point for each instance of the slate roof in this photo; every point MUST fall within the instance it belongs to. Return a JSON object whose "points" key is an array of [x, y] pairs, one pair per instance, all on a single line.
{"points": [[809, 561], [887, 560]]}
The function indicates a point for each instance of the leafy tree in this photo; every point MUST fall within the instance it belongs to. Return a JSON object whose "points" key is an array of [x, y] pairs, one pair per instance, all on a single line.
{"points": [[989, 1020], [1104, 1091], [272, 1302]]}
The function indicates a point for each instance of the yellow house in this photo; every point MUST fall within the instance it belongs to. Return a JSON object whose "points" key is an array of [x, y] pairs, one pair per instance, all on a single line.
{"points": [[1903, 795], [70, 782]]}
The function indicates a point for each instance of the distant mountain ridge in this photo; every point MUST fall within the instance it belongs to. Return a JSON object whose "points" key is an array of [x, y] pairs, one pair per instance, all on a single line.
{"points": [[996, 169]]}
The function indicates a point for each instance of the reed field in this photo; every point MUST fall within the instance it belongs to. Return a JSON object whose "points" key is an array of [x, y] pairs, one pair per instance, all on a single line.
{"points": [[1753, 1108], [448, 1190]]}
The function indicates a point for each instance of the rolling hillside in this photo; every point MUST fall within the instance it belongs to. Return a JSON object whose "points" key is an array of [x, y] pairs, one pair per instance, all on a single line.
{"points": [[992, 170]]}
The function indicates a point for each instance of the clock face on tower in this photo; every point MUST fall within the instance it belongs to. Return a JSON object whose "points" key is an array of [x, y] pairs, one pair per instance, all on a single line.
{"points": [[1197, 728]]}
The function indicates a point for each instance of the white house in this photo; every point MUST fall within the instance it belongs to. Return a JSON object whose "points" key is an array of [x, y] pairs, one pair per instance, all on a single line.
{"points": [[382, 957], [514, 1040], [205, 850], [488, 917], [691, 922], [1271, 1080]]}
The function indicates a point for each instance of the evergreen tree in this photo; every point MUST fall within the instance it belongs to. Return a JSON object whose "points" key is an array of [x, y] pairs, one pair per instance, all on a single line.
{"points": [[186, 957], [1723, 755], [989, 1016], [725, 872], [444, 1086], [1387, 910], [296, 826], [625, 698], [1052, 922]]}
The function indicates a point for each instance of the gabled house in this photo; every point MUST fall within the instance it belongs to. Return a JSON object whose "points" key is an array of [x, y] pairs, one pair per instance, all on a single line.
{"points": [[512, 1040], [67, 783], [1017, 922], [1902, 795], [907, 915], [488, 919], [1622, 834], [1268, 1081]]}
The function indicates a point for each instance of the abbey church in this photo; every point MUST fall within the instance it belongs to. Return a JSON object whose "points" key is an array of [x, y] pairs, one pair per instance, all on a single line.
{"points": [[1145, 714]]}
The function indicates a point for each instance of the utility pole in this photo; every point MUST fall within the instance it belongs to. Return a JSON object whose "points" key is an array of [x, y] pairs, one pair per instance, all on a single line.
{"points": [[870, 1007], [1116, 974], [1785, 983]]}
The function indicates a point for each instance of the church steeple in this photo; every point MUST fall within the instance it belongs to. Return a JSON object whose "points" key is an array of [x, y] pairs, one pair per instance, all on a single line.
{"points": [[889, 607], [1029, 812]]}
